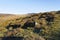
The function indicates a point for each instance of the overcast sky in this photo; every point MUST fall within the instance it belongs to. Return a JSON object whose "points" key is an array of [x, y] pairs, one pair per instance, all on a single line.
{"points": [[28, 6]]}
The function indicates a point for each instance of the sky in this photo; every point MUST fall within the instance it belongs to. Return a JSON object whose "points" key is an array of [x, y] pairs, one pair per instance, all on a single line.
{"points": [[28, 6]]}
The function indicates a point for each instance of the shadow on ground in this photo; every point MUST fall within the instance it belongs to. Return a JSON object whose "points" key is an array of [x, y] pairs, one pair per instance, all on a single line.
{"points": [[11, 38]]}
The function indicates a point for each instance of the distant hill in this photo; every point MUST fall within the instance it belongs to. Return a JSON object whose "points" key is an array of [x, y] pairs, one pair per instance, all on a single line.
{"points": [[1, 14]]}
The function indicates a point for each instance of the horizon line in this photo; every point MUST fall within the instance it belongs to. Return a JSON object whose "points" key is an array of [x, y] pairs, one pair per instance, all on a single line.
{"points": [[26, 13]]}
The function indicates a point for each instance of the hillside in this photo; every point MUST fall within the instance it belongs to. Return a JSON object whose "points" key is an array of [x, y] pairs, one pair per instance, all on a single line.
{"points": [[38, 26]]}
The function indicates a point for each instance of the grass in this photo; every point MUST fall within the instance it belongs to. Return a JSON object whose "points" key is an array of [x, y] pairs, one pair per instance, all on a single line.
{"points": [[51, 32]]}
